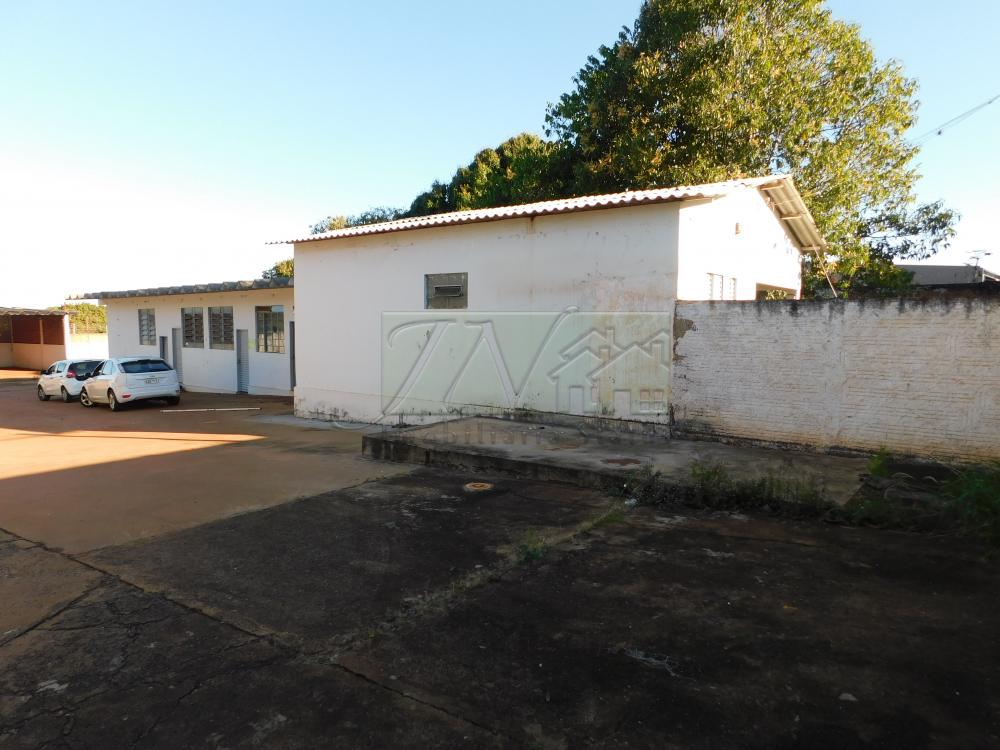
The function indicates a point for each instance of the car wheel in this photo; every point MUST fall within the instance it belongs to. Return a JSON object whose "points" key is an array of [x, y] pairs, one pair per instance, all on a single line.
{"points": [[85, 399], [173, 400], [65, 395], [42, 395], [113, 401]]}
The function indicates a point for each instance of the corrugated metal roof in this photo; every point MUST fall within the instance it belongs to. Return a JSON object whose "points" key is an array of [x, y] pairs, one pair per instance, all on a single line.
{"points": [[164, 291], [31, 311], [779, 189]]}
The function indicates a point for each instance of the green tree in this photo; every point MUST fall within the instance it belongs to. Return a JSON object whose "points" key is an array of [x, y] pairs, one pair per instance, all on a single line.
{"points": [[705, 90], [374, 215], [86, 317], [522, 169], [283, 269]]}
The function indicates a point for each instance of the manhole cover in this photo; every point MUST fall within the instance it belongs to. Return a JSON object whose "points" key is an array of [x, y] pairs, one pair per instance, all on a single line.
{"points": [[477, 487]]}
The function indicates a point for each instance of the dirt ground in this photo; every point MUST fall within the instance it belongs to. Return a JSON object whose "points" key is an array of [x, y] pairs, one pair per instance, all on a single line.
{"points": [[410, 612], [79, 479]]}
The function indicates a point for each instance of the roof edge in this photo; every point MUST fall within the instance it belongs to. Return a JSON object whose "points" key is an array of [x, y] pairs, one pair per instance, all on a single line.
{"points": [[807, 233], [281, 282]]}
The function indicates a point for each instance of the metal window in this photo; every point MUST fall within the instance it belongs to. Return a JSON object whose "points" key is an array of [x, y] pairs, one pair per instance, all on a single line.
{"points": [[193, 322], [147, 327], [446, 291], [270, 328], [732, 288], [220, 327]]}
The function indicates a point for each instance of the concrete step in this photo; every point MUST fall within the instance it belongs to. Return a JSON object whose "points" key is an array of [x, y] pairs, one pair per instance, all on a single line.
{"points": [[595, 458]]}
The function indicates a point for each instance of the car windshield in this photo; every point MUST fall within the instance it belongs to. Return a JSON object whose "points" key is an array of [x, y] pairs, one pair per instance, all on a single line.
{"points": [[144, 365], [84, 366]]}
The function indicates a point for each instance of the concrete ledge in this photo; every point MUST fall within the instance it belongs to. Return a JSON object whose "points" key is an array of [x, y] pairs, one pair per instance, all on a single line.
{"points": [[399, 447], [599, 459]]}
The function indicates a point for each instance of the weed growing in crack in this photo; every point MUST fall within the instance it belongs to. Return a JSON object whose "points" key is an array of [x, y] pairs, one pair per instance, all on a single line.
{"points": [[878, 464], [531, 547], [967, 502], [712, 487]]}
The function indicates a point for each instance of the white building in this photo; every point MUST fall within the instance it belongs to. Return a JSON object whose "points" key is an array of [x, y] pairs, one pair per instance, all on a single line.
{"points": [[496, 280], [232, 337]]}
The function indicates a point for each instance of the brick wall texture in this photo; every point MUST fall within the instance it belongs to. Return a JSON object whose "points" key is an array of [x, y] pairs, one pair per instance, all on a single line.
{"points": [[921, 378]]}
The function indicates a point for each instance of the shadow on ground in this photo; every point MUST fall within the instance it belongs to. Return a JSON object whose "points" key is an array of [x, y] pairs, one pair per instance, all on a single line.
{"points": [[407, 613]]}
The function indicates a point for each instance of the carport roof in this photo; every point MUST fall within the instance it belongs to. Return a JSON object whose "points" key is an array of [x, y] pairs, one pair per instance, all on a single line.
{"points": [[778, 189], [30, 311], [164, 291]]}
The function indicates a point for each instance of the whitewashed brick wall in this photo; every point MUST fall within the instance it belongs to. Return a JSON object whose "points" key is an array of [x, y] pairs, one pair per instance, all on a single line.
{"points": [[920, 378]]}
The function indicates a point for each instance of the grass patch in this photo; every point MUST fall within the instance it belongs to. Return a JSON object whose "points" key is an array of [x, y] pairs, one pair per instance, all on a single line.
{"points": [[531, 547], [962, 501], [712, 487], [878, 465]]}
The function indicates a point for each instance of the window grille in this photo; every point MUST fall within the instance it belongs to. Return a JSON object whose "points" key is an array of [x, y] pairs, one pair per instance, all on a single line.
{"points": [[193, 320], [147, 327], [271, 328], [220, 327]]}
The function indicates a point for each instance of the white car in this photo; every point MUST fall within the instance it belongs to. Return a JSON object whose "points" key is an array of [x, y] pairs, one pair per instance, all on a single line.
{"points": [[65, 378], [121, 380]]}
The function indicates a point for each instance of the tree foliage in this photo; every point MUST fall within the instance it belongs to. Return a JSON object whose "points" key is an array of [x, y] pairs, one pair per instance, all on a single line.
{"points": [[522, 169], [704, 90], [86, 318], [283, 269], [374, 215]]}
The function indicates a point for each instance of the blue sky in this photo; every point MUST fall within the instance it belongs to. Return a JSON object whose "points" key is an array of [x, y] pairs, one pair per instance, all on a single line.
{"points": [[146, 144]]}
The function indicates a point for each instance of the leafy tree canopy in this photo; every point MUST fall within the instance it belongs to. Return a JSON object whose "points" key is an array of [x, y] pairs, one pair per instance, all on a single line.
{"points": [[283, 269], [87, 317], [704, 90]]}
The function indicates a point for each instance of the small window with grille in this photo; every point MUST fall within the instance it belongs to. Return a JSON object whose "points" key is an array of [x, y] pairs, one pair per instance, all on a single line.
{"points": [[147, 327], [270, 328], [193, 321], [446, 291], [716, 282], [220, 327]]}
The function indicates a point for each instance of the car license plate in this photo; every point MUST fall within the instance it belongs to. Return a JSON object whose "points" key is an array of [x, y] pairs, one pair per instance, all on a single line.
{"points": [[152, 381]]}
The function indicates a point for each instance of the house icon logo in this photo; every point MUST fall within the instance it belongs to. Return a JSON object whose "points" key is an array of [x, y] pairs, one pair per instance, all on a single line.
{"points": [[599, 376]]}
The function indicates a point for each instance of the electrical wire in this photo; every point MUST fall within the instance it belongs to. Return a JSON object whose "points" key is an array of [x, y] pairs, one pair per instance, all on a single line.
{"points": [[953, 121]]}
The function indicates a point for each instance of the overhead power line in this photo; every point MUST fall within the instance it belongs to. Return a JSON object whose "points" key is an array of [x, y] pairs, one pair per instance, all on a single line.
{"points": [[953, 121]]}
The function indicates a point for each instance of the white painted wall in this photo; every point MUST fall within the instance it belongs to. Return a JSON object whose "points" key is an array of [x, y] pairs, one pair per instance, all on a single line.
{"points": [[87, 346], [918, 377], [760, 252], [613, 260], [204, 368], [617, 259]]}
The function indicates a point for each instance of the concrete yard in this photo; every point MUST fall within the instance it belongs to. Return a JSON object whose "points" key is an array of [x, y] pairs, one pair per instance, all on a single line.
{"points": [[395, 608]]}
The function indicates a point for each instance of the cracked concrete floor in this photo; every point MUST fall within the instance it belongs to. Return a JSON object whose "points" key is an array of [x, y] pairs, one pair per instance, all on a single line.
{"points": [[408, 613]]}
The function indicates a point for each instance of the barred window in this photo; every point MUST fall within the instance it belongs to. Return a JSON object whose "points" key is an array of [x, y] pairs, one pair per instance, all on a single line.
{"points": [[193, 320], [271, 328], [147, 327], [220, 327]]}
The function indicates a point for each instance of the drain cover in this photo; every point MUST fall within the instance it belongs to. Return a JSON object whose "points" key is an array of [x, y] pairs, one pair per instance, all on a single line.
{"points": [[477, 487]]}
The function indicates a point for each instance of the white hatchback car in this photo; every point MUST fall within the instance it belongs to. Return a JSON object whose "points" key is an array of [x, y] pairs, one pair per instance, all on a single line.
{"points": [[122, 380], [65, 378]]}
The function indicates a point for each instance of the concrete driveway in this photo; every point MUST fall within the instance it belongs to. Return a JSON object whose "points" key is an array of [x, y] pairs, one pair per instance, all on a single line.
{"points": [[78, 479], [412, 612]]}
